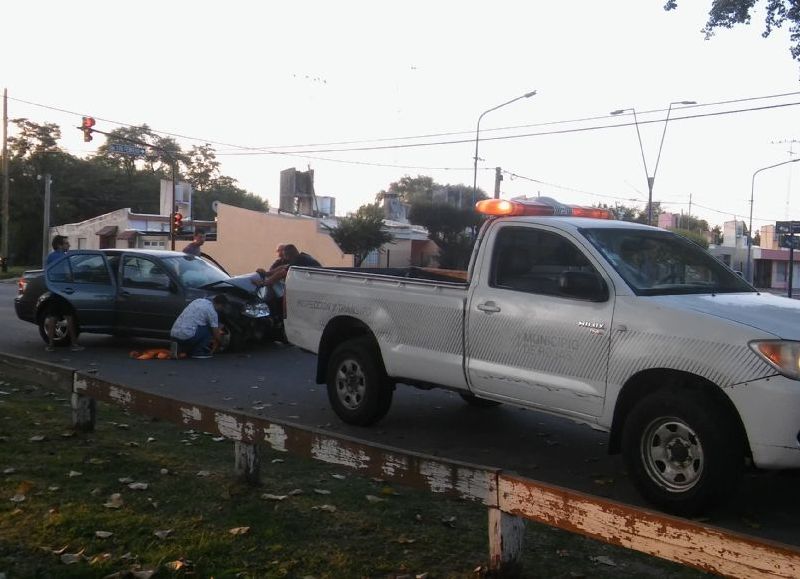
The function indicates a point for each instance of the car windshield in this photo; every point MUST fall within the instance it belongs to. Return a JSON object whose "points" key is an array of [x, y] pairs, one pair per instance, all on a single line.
{"points": [[195, 272], [662, 263]]}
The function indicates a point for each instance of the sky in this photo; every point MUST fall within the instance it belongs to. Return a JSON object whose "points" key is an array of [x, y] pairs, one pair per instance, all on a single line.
{"points": [[273, 84]]}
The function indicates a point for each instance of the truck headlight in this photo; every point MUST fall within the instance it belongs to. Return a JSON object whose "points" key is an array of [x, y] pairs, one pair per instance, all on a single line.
{"points": [[255, 310], [782, 355]]}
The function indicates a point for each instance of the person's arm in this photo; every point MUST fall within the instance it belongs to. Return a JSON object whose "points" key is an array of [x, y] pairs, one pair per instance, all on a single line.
{"points": [[278, 275]]}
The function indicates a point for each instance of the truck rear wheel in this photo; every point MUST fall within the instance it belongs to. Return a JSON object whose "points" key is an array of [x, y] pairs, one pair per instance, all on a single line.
{"points": [[682, 451], [358, 388]]}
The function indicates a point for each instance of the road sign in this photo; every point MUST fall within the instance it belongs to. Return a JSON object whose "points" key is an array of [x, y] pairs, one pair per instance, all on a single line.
{"points": [[127, 149], [786, 227]]}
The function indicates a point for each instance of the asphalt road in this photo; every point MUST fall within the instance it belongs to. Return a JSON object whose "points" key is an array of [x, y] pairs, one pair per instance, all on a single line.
{"points": [[278, 381]]}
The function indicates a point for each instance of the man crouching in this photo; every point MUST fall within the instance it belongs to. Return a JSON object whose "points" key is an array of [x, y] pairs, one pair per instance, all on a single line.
{"points": [[196, 330]]}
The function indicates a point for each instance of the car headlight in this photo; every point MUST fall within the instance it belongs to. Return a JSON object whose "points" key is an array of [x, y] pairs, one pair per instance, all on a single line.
{"points": [[782, 355], [255, 310]]}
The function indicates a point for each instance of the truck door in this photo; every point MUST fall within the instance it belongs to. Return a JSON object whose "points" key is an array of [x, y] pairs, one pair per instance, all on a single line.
{"points": [[533, 334]]}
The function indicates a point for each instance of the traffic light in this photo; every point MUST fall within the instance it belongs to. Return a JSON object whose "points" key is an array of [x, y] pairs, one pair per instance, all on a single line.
{"points": [[177, 223], [86, 127]]}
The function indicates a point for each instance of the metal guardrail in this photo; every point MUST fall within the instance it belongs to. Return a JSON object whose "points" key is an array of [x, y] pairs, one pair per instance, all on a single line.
{"points": [[511, 500]]}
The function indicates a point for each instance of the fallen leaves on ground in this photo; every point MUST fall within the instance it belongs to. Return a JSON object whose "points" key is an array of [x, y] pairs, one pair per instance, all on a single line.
{"points": [[163, 534], [374, 499], [102, 534], [70, 558], [239, 530], [325, 508], [114, 501], [138, 486], [271, 497]]}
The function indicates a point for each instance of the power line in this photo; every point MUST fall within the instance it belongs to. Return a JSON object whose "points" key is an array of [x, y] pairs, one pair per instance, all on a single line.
{"points": [[273, 149], [519, 136]]}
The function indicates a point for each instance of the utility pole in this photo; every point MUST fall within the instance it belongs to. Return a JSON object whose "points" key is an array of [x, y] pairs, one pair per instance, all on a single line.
{"points": [[498, 176], [46, 219], [4, 208]]}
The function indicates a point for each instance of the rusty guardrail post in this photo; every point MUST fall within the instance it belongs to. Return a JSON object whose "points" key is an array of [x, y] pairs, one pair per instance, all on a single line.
{"points": [[247, 464], [506, 534], [84, 412]]}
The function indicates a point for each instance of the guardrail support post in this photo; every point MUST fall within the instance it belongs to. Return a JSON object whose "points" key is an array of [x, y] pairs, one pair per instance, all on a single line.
{"points": [[248, 462], [506, 533], [84, 412]]}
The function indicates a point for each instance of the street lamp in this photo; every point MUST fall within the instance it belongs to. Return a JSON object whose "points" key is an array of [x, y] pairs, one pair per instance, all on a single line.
{"points": [[477, 137], [750, 227], [651, 180]]}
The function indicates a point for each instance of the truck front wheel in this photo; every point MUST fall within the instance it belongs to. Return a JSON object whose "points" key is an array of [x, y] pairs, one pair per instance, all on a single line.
{"points": [[682, 451], [358, 388]]}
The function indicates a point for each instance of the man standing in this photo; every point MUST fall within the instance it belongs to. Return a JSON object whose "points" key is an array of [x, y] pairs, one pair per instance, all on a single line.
{"points": [[197, 326], [60, 246], [194, 247]]}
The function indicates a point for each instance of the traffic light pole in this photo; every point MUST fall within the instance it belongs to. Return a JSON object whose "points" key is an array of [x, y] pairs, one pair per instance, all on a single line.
{"points": [[88, 129], [172, 206]]}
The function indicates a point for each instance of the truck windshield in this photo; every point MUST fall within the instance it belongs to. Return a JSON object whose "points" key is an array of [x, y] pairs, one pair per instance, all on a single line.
{"points": [[195, 272], [662, 263]]}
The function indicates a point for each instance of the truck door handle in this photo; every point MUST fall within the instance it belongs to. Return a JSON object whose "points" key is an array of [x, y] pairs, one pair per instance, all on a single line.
{"points": [[125, 293], [69, 290], [488, 308]]}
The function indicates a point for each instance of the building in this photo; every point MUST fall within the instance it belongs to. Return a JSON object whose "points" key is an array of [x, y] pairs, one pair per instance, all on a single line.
{"points": [[240, 240]]}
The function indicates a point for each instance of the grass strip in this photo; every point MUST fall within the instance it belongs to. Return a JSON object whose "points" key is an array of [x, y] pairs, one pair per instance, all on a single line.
{"points": [[142, 498]]}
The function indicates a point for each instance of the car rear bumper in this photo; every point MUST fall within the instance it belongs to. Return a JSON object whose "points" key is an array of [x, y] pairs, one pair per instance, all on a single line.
{"points": [[26, 311]]}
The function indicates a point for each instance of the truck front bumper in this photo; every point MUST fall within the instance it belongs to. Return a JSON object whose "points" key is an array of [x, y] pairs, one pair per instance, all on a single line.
{"points": [[770, 411]]}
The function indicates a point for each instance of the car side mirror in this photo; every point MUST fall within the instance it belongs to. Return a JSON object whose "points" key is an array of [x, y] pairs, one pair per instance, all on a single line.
{"points": [[583, 285]]}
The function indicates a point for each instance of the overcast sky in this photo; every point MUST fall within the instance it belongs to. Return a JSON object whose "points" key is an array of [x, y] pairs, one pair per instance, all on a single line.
{"points": [[270, 75]]}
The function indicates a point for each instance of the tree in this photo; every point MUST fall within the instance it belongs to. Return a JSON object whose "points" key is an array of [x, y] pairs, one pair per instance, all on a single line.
{"points": [[695, 236], [716, 233], [203, 167], [410, 189], [225, 190], [450, 227], [362, 233], [728, 13], [757, 239]]}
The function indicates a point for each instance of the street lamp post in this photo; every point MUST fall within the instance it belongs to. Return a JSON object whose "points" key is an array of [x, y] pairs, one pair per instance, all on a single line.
{"points": [[651, 179], [750, 226], [477, 138]]}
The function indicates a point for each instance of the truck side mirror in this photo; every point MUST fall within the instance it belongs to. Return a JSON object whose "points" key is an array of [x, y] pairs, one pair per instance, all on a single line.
{"points": [[583, 285]]}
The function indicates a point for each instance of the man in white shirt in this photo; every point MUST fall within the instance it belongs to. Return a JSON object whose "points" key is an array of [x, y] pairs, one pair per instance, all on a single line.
{"points": [[197, 325]]}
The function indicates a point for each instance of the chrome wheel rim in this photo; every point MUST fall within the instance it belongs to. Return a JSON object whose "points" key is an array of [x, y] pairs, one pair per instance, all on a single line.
{"points": [[60, 330], [672, 454], [351, 384]]}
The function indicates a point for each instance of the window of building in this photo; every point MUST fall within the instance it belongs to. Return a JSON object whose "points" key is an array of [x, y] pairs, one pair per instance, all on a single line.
{"points": [[81, 243], [153, 244]]}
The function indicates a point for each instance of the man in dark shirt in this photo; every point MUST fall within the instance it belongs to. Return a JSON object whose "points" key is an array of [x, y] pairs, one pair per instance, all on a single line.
{"points": [[296, 257], [194, 247], [274, 279]]}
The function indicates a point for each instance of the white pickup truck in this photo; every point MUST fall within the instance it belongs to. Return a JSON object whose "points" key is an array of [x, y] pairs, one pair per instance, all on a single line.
{"points": [[629, 328]]}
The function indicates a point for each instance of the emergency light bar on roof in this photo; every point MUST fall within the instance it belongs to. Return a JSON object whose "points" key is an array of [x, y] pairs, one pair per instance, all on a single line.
{"points": [[540, 207]]}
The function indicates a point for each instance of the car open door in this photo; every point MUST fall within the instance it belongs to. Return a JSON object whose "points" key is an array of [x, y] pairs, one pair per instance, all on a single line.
{"points": [[84, 279]]}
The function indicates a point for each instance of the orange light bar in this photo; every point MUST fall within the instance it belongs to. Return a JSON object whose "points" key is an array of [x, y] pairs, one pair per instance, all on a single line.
{"points": [[505, 208], [591, 212]]}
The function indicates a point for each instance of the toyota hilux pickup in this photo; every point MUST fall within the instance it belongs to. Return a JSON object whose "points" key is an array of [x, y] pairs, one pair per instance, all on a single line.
{"points": [[629, 328]]}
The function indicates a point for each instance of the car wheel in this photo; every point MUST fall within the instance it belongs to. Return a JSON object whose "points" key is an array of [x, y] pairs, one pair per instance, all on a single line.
{"points": [[61, 330], [358, 388], [683, 452], [473, 400]]}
